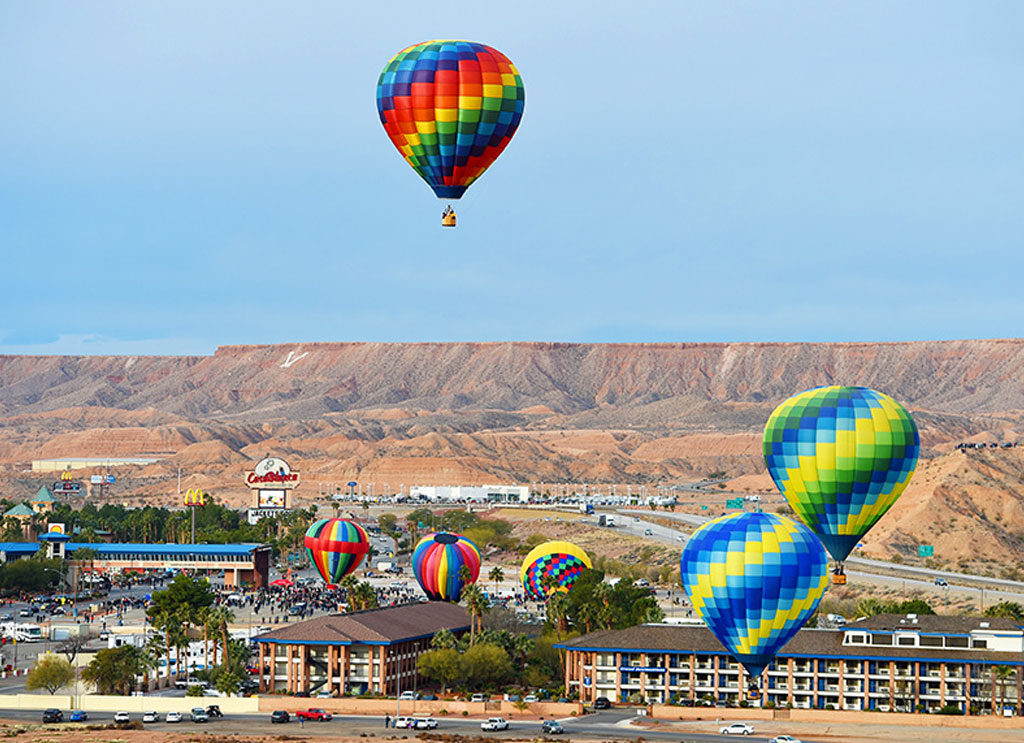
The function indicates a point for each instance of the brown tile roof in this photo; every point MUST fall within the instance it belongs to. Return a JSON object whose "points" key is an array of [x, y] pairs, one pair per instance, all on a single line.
{"points": [[807, 642], [393, 624], [935, 623]]}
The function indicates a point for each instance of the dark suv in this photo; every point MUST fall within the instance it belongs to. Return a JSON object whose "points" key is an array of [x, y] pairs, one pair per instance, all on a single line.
{"points": [[602, 703], [53, 714]]}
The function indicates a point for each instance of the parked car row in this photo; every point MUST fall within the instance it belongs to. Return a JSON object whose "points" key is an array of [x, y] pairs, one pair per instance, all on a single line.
{"points": [[197, 714]]}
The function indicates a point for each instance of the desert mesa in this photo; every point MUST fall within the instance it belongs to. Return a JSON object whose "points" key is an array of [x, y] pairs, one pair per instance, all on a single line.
{"points": [[402, 414]]}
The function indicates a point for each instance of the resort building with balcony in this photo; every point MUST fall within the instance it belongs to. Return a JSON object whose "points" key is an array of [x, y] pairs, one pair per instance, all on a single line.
{"points": [[888, 662]]}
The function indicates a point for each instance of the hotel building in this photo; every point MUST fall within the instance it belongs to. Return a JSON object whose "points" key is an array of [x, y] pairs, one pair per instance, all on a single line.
{"points": [[887, 662]]}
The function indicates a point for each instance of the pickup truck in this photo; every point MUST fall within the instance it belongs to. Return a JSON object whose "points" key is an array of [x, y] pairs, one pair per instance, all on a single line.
{"points": [[313, 713], [494, 723]]}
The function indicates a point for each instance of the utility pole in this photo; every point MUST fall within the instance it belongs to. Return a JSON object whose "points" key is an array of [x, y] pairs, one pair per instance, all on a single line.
{"points": [[179, 479]]}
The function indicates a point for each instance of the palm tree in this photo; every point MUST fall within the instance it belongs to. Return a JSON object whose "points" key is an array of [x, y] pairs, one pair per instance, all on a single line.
{"points": [[1001, 674], [477, 604], [220, 617], [558, 612], [524, 645], [496, 576]]}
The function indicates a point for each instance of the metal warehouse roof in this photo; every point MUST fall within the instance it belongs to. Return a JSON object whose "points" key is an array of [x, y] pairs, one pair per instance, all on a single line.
{"points": [[103, 548]]}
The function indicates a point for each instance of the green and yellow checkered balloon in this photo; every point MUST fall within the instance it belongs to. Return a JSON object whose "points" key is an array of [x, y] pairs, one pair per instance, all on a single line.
{"points": [[841, 456]]}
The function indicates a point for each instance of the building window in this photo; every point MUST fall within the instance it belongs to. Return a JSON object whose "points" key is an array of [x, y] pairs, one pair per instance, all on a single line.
{"points": [[881, 639], [911, 641], [979, 644]]}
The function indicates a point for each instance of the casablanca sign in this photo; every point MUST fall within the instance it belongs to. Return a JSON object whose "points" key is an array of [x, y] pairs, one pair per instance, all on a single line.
{"points": [[271, 481], [272, 472]]}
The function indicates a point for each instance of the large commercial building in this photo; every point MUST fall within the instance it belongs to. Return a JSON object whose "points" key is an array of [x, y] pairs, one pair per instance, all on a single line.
{"points": [[884, 663], [238, 563], [364, 652], [472, 493]]}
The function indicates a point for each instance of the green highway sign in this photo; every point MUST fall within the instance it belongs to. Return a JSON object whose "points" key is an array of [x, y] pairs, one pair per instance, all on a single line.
{"points": [[703, 508], [925, 550], [734, 503]]}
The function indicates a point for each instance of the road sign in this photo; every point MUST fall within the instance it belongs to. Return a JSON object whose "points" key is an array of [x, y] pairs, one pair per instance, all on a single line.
{"points": [[734, 503], [703, 508], [110, 479], [925, 550], [352, 484]]}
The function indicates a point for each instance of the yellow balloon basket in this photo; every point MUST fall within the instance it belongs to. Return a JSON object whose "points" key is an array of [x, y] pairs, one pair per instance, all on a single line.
{"points": [[448, 220], [839, 580]]}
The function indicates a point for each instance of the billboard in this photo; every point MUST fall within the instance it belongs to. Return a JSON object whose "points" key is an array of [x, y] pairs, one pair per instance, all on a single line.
{"points": [[273, 473], [271, 499], [195, 497]]}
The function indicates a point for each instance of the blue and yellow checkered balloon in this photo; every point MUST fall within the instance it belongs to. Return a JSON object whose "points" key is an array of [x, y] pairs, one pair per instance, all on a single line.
{"points": [[841, 456], [754, 578]]}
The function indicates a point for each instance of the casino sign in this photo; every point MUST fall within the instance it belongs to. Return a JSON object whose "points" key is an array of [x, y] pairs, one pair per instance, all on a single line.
{"points": [[271, 481]]}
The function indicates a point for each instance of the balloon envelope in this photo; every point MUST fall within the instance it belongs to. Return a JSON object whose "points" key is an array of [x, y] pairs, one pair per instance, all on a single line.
{"points": [[450, 107], [557, 564], [841, 456], [754, 578], [437, 561], [336, 547]]}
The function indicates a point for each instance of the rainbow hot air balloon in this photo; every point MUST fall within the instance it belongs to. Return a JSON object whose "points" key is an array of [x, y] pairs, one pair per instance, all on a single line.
{"points": [[450, 107], [437, 561], [336, 547], [754, 578], [552, 566], [841, 456]]}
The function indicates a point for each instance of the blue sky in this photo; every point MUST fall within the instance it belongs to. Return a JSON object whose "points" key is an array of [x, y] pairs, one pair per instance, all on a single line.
{"points": [[175, 176]]}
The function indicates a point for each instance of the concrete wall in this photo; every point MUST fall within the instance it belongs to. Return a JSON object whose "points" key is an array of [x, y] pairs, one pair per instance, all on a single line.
{"points": [[667, 713], [353, 706]]}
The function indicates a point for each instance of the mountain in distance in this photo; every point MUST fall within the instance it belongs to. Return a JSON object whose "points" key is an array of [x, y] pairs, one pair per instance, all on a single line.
{"points": [[397, 414]]}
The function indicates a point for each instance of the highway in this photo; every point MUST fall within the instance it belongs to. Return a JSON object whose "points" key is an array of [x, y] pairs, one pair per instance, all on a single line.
{"points": [[607, 724], [986, 591]]}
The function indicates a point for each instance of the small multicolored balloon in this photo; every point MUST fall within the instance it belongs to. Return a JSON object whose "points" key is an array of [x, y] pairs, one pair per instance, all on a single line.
{"points": [[437, 562], [552, 566], [841, 456], [336, 547], [755, 579]]}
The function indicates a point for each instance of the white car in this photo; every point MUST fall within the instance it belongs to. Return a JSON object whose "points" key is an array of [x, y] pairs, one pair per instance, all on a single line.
{"points": [[785, 739], [122, 717], [407, 696], [494, 723], [404, 722], [426, 723], [737, 728], [173, 717], [150, 717], [530, 698]]}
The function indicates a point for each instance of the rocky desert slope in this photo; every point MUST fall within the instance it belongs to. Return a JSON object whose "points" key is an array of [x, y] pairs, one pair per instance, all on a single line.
{"points": [[447, 413]]}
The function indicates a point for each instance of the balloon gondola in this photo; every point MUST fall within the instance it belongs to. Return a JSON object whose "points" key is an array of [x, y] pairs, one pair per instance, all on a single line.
{"points": [[450, 107], [841, 456], [437, 563]]}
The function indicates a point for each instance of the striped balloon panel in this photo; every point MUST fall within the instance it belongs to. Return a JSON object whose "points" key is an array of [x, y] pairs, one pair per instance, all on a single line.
{"points": [[841, 456], [450, 107], [437, 561], [754, 578], [336, 547], [552, 566]]}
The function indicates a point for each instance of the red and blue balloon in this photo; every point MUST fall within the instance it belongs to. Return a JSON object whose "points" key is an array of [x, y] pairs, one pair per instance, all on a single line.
{"points": [[437, 563], [336, 547]]}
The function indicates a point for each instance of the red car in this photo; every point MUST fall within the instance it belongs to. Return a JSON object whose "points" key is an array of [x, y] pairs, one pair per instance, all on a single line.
{"points": [[313, 713]]}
